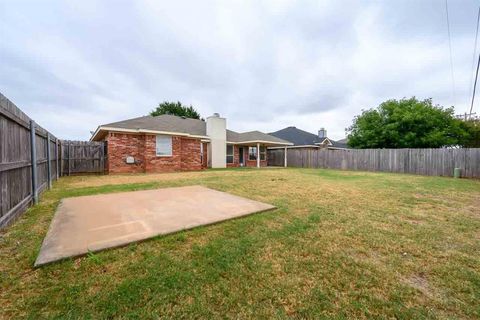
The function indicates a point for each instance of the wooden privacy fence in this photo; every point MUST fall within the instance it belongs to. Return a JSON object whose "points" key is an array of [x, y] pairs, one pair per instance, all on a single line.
{"points": [[31, 158], [429, 162], [28, 161], [79, 157]]}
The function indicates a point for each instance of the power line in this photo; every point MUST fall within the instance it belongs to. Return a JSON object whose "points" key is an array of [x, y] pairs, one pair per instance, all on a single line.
{"points": [[474, 54], [475, 84], [451, 56]]}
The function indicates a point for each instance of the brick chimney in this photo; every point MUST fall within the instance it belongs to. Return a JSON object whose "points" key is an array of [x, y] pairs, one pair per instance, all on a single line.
{"points": [[322, 133]]}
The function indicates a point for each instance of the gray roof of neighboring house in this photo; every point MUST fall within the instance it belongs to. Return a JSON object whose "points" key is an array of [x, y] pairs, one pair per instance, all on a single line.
{"points": [[181, 125], [342, 143], [303, 138]]}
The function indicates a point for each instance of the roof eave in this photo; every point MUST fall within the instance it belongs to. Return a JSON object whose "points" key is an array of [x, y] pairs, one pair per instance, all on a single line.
{"points": [[183, 134], [302, 146], [262, 141], [92, 138]]}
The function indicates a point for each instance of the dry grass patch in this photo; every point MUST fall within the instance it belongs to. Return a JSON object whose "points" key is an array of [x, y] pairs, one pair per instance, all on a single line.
{"points": [[341, 244]]}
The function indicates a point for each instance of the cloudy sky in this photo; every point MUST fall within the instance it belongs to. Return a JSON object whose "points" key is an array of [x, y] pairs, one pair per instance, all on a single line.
{"points": [[265, 65]]}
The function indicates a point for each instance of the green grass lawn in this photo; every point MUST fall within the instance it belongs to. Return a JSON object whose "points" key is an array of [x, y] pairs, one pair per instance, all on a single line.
{"points": [[340, 245]]}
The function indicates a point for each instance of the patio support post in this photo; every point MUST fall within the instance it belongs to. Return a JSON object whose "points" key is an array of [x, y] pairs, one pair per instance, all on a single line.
{"points": [[285, 157], [258, 155]]}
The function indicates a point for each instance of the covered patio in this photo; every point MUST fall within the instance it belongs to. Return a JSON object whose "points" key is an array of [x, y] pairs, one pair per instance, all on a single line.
{"points": [[249, 149]]}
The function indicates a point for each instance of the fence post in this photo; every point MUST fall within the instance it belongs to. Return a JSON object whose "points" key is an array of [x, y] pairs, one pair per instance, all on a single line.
{"points": [[49, 163], [33, 145], [61, 157], [56, 159], [68, 157]]}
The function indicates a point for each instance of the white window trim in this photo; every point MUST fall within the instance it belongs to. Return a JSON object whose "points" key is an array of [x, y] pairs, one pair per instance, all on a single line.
{"points": [[233, 154], [171, 146], [260, 153], [256, 153]]}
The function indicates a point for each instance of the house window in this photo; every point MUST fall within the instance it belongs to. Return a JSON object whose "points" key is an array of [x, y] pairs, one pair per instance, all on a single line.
{"points": [[164, 146], [252, 153], [263, 153], [229, 153]]}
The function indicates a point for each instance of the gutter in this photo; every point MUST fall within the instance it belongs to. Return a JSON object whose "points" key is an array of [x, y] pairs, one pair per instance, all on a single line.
{"points": [[261, 141], [300, 146]]}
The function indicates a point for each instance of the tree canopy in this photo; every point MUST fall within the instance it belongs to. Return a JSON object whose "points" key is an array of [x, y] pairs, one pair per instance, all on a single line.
{"points": [[407, 123], [176, 109], [473, 127]]}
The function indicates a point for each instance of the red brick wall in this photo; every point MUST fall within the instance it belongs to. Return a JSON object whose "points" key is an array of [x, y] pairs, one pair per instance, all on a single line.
{"points": [[190, 154], [205, 155], [185, 154], [121, 145], [253, 163]]}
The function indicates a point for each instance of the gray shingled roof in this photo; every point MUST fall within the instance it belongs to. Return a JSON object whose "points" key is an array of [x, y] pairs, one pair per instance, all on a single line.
{"points": [[181, 125], [302, 138], [342, 143], [164, 122], [233, 136]]}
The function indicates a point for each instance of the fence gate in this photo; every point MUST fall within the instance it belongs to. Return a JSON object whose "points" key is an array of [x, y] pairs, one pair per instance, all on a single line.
{"points": [[82, 157]]}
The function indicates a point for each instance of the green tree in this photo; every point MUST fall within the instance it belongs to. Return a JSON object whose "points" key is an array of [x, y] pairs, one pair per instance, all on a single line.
{"points": [[473, 128], [176, 109], [407, 123]]}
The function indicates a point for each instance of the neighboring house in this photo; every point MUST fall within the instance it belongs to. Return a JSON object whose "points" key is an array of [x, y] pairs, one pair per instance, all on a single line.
{"points": [[171, 143], [342, 143], [304, 139]]}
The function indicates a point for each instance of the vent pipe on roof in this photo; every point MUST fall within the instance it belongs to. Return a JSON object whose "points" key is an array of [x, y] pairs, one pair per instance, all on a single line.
{"points": [[322, 133], [216, 115]]}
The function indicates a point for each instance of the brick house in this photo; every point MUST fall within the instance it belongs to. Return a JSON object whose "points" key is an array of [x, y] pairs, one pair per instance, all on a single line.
{"points": [[170, 143]]}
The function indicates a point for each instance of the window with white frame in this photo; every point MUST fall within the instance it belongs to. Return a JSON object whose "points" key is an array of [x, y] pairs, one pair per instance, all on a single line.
{"points": [[252, 153], [229, 153], [263, 153], [164, 146]]}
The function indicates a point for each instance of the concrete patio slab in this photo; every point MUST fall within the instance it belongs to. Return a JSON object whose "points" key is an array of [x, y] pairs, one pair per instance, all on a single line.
{"points": [[92, 223]]}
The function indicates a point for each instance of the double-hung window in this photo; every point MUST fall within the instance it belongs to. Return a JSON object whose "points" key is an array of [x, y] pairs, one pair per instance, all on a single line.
{"points": [[163, 146], [229, 153], [252, 153], [263, 153]]}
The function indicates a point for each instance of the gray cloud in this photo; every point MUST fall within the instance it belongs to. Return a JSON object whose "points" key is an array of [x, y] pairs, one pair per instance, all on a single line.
{"points": [[264, 65]]}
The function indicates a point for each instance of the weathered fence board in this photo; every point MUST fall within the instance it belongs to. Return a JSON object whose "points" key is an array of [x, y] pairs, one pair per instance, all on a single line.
{"points": [[429, 162], [17, 177], [82, 157], [16, 180]]}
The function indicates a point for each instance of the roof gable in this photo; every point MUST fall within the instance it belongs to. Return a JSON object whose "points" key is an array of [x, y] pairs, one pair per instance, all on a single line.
{"points": [[325, 141], [303, 138]]}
